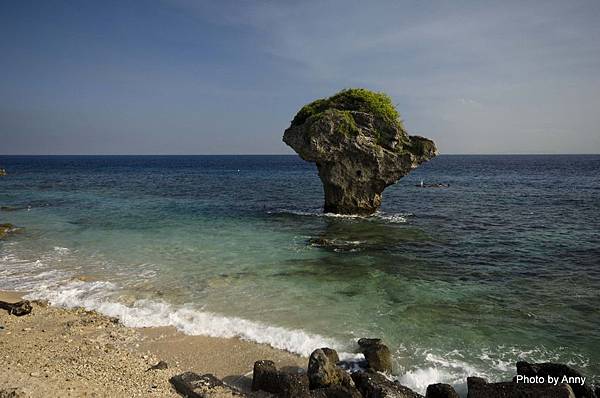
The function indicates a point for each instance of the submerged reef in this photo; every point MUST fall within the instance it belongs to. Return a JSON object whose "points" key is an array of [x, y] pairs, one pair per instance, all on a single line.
{"points": [[360, 146]]}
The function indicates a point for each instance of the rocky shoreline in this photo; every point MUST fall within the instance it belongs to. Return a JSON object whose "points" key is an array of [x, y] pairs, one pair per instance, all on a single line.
{"points": [[326, 377], [73, 352]]}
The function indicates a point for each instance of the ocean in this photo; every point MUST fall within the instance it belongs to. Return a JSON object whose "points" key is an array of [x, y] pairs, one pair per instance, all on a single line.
{"points": [[502, 265]]}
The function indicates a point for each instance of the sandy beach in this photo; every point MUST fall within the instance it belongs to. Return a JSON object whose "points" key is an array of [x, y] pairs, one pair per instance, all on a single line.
{"points": [[76, 353]]}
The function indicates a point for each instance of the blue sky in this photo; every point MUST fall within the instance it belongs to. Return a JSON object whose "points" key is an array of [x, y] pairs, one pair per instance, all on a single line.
{"points": [[199, 77]]}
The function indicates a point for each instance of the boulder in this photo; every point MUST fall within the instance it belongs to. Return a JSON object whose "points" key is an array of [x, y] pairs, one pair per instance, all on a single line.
{"points": [[335, 391], [19, 308], [267, 378], [377, 354], [441, 390], [480, 388], [293, 386], [360, 147], [565, 374], [192, 385], [323, 371], [376, 385]]}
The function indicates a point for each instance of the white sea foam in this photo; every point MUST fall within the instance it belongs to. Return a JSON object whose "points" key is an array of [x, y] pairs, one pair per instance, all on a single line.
{"points": [[187, 319], [378, 216], [62, 250], [419, 379]]}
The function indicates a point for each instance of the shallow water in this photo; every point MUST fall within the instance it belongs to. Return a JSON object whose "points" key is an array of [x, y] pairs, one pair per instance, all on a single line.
{"points": [[502, 265]]}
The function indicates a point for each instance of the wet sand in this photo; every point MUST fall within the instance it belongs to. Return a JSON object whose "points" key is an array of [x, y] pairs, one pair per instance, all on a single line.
{"points": [[74, 352]]}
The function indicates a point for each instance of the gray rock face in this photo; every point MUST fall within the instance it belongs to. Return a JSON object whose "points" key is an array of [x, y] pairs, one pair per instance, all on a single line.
{"points": [[359, 146]]}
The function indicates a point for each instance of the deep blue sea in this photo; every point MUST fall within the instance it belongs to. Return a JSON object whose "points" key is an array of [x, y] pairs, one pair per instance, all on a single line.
{"points": [[502, 265]]}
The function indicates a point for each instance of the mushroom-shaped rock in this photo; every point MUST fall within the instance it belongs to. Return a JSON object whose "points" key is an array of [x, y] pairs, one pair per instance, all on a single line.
{"points": [[360, 147]]}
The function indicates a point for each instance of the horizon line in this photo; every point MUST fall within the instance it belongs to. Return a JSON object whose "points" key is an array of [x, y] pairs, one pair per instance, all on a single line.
{"points": [[292, 154]]}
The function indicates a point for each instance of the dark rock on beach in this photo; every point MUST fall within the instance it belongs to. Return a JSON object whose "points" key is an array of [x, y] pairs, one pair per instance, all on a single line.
{"points": [[335, 391], [376, 385], [293, 385], [192, 385], [267, 378], [441, 390], [360, 147], [377, 354], [19, 308], [557, 370], [324, 372], [480, 388]]}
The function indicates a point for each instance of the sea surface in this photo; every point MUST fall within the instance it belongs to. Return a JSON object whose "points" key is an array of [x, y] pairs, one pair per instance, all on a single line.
{"points": [[502, 265]]}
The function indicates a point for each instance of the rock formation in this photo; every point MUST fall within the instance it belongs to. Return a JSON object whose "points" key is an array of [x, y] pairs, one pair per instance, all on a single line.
{"points": [[359, 144], [377, 354], [480, 388], [560, 372], [325, 377], [323, 372], [18, 309], [441, 390]]}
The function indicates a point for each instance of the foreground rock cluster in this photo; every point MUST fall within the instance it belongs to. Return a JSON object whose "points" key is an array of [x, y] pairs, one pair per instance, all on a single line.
{"points": [[326, 377], [360, 147]]}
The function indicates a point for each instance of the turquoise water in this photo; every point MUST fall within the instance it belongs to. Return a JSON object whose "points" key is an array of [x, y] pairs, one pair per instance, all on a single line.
{"points": [[502, 265]]}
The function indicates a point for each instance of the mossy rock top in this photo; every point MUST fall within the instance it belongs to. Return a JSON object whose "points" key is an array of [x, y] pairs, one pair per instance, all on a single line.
{"points": [[344, 106], [353, 99]]}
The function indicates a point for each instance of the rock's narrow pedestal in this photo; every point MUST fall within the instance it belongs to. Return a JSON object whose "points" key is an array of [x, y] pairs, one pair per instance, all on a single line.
{"points": [[359, 145]]}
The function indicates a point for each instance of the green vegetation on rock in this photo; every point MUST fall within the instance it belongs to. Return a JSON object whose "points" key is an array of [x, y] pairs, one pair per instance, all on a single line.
{"points": [[353, 99], [344, 122]]}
